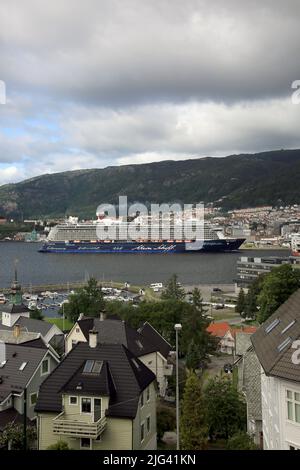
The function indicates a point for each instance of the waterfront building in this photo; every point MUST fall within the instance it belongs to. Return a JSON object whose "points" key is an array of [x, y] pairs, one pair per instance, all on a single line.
{"points": [[249, 268]]}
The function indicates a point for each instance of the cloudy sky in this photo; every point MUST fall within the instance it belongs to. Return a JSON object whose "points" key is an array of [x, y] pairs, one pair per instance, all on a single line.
{"points": [[92, 83]]}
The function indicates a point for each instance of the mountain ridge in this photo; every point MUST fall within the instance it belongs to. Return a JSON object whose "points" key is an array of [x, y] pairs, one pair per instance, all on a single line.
{"points": [[234, 181]]}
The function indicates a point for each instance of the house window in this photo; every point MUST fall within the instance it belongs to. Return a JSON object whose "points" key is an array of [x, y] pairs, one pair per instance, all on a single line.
{"points": [[148, 394], [142, 400], [293, 406], [142, 432], [74, 342], [86, 405], [97, 408], [45, 367], [77, 330], [73, 401], [148, 424], [33, 399], [85, 443]]}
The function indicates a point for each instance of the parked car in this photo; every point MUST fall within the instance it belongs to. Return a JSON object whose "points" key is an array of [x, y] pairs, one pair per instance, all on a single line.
{"points": [[228, 368]]}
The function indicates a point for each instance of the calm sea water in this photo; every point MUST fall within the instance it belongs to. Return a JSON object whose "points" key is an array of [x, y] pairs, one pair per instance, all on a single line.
{"points": [[197, 268]]}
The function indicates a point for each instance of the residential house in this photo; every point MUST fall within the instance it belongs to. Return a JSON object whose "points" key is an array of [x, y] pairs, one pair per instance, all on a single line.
{"points": [[24, 326], [226, 335], [277, 346], [100, 397], [146, 343], [249, 383], [16, 313], [23, 367]]}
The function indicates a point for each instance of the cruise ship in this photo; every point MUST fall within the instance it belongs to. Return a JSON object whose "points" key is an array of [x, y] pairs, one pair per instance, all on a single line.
{"points": [[113, 236]]}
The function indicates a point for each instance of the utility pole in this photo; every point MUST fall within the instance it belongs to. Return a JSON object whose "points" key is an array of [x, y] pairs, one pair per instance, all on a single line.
{"points": [[177, 327]]}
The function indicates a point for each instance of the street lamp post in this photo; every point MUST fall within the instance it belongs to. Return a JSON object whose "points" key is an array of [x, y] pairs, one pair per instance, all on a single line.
{"points": [[177, 327]]}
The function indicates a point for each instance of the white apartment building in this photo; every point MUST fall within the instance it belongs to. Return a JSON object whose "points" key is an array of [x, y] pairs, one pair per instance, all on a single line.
{"points": [[278, 350]]}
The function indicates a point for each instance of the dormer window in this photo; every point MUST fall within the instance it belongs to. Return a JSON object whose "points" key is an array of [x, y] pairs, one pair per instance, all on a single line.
{"points": [[92, 367], [45, 367]]}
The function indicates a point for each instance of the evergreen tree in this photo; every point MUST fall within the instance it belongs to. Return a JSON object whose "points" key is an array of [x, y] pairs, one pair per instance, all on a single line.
{"points": [[250, 309], [194, 328], [240, 305], [193, 356], [173, 290], [193, 428]]}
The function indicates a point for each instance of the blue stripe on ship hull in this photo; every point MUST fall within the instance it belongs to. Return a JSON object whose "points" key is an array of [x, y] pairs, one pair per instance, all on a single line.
{"points": [[132, 247]]}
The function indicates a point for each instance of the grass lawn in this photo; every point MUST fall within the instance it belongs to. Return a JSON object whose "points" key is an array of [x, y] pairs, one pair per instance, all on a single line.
{"points": [[224, 314], [59, 323], [151, 296]]}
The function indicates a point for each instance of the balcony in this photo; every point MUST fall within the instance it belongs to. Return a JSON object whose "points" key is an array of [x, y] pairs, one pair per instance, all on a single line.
{"points": [[62, 425]]}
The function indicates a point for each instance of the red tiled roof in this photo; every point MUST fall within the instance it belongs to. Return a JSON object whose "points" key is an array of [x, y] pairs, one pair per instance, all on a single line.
{"points": [[218, 329]]}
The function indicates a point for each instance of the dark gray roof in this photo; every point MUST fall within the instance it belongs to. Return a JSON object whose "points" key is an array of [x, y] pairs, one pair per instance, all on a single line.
{"points": [[125, 378], [118, 332], [242, 342], [7, 336], [13, 379], [13, 308], [286, 322], [251, 383], [36, 326], [94, 383], [30, 325], [11, 416], [150, 333]]}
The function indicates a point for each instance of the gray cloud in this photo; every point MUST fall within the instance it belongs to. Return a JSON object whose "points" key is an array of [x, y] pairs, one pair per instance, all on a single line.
{"points": [[105, 82]]}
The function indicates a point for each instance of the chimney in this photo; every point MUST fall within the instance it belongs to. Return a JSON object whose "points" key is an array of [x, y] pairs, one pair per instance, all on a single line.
{"points": [[2, 353], [16, 330], [81, 315], [93, 338]]}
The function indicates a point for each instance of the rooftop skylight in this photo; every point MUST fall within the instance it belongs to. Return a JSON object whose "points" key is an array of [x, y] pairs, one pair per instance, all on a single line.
{"points": [[272, 325], [92, 367], [288, 326], [284, 344]]}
